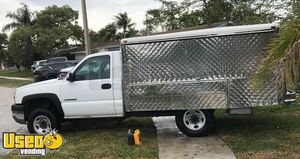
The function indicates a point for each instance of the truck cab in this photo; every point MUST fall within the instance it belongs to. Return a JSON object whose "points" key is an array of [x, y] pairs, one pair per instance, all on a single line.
{"points": [[92, 89]]}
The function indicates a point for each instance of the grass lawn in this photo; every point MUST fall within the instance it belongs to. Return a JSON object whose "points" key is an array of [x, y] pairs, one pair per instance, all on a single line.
{"points": [[271, 133], [13, 83], [15, 73], [100, 139]]}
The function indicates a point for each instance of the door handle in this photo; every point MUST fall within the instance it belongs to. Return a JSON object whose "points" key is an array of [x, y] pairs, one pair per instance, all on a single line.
{"points": [[106, 86]]}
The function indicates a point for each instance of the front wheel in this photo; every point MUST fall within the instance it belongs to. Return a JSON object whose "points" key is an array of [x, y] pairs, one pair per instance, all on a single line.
{"points": [[42, 121], [195, 123]]}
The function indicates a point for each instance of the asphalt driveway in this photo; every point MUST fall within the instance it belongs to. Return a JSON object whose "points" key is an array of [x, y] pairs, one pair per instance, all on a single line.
{"points": [[7, 123]]}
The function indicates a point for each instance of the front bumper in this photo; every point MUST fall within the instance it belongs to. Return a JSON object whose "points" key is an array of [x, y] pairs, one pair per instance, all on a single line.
{"points": [[18, 113]]}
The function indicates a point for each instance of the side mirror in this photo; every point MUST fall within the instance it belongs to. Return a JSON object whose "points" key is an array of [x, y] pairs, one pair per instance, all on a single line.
{"points": [[71, 77]]}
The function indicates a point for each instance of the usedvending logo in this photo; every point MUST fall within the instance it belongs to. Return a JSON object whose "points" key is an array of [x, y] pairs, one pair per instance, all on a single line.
{"points": [[32, 144]]}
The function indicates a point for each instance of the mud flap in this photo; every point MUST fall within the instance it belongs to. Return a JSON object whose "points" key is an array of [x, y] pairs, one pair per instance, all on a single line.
{"points": [[289, 97]]}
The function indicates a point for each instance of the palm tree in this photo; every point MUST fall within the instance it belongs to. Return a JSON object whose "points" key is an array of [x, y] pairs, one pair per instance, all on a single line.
{"points": [[22, 17], [110, 32], [124, 22], [283, 58]]}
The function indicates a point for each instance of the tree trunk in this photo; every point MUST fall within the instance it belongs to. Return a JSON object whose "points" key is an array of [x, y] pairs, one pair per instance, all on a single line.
{"points": [[124, 31], [18, 67]]}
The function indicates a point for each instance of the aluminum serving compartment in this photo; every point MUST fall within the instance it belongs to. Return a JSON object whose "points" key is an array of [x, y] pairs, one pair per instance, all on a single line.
{"points": [[202, 69]]}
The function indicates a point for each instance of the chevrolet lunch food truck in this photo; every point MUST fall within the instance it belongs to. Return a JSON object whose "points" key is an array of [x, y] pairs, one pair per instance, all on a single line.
{"points": [[185, 74]]}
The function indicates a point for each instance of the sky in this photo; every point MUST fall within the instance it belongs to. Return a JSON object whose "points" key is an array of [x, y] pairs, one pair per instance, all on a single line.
{"points": [[100, 12]]}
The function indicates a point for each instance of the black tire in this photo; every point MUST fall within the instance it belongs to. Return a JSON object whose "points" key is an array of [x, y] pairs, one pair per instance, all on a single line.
{"points": [[204, 131], [55, 123]]}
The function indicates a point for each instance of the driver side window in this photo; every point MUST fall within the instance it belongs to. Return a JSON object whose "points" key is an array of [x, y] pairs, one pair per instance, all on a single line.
{"points": [[93, 68]]}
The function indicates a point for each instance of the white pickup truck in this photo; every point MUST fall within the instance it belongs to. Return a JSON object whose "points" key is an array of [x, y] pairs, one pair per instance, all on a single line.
{"points": [[186, 74]]}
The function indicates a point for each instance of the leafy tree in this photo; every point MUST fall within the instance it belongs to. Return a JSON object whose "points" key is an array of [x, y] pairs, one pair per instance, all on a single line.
{"points": [[153, 19], [173, 15], [215, 11], [124, 22], [54, 27], [132, 32], [292, 8], [54, 16], [3, 47], [37, 37], [253, 11], [190, 19], [238, 11], [3, 42], [20, 46], [77, 34], [170, 11], [166, 17]]}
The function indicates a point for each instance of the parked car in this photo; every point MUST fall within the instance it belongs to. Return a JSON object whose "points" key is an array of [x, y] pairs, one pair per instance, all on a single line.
{"points": [[74, 61], [64, 72], [57, 59], [187, 75], [50, 70], [36, 64]]}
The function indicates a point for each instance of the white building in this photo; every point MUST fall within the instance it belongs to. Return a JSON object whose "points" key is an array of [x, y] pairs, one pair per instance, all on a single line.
{"points": [[78, 52]]}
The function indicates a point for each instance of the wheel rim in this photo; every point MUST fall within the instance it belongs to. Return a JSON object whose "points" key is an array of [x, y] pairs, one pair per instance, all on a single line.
{"points": [[42, 125], [194, 119]]}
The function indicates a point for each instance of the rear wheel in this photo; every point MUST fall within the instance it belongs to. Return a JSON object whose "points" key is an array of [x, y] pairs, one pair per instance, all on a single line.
{"points": [[42, 121], [195, 123]]}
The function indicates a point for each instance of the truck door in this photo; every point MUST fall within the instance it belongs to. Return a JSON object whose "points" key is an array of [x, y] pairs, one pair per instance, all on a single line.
{"points": [[91, 93]]}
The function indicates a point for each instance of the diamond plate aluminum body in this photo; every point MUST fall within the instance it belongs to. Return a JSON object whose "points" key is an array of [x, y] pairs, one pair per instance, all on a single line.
{"points": [[200, 73]]}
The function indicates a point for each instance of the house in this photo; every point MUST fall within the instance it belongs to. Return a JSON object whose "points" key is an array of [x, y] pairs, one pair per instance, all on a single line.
{"points": [[78, 52]]}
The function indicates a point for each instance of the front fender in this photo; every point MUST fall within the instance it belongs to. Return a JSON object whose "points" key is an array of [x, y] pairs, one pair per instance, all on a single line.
{"points": [[49, 96]]}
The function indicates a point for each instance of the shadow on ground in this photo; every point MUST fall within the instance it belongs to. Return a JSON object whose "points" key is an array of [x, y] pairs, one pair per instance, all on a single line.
{"points": [[107, 124]]}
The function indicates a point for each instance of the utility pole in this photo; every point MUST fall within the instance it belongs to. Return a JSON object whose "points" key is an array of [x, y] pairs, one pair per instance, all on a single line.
{"points": [[86, 29], [147, 25]]}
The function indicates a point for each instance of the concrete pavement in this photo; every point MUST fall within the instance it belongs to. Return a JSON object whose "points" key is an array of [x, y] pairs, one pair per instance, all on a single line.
{"points": [[7, 123], [172, 144], [17, 78]]}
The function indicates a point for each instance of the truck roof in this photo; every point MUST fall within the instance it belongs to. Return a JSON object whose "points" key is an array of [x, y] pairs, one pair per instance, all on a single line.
{"points": [[99, 54], [220, 31]]}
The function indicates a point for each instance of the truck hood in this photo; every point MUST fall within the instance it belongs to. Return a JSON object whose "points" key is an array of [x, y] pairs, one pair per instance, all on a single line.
{"points": [[45, 87], [38, 84]]}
